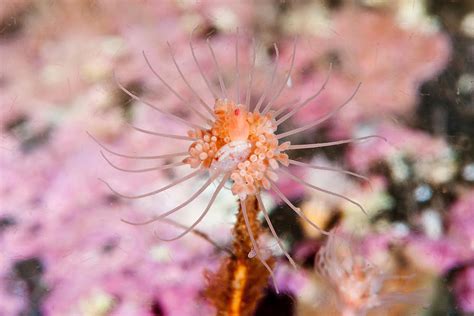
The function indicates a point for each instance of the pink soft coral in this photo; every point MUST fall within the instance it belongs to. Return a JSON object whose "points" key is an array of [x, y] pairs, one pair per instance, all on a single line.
{"points": [[368, 45], [457, 245], [464, 289]]}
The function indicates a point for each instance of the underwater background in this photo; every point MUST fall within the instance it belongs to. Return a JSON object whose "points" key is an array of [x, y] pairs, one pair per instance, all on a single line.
{"points": [[64, 249]]}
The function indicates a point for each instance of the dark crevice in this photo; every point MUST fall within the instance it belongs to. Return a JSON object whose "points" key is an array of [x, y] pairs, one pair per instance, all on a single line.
{"points": [[156, 309], [30, 272], [274, 304]]}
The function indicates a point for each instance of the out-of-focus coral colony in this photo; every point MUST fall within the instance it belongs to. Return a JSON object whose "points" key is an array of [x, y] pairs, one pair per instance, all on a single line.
{"points": [[64, 249]]}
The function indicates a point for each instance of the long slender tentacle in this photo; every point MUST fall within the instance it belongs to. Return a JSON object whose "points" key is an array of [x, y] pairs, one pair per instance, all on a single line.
{"points": [[252, 70], [237, 69], [284, 83], [206, 80], [255, 245], [273, 231], [285, 107], [185, 102], [270, 83], [219, 72], [177, 208], [201, 101], [316, 167], [163, 167], [161, 134], [204, 213], [172, 184], [169, 115], [301, 181], [297, 210], [321, 120], [200, 234], [307, 101], [184, 153], [338, 142]]}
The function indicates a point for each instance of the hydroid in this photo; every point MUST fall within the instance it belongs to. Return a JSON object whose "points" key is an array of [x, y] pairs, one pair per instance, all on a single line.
{"points": [[237, 140]]}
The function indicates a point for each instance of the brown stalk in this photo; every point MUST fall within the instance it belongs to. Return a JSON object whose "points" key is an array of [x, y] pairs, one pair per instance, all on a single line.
{"points": [[238, 285]]}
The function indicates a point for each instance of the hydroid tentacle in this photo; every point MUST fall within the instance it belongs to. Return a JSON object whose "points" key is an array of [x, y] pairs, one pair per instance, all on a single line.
{"points": [[180, 137], [237, 69], [204, 213], [250, 81], [270, 83], [163, 167], [284, 83], [285, 107], [312, 186], [139, 196], [273, 231], [169, 115], [334, 143], [206, 80], [255, 245], [177, 208], [297, 210], [307, 101], [316, 167], [200, 234], [219, 72], [204, 104], [206, 119], [164, 156], [321, 120]]}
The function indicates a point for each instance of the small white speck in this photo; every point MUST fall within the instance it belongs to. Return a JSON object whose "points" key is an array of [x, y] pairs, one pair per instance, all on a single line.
{"points": [[423, 193], [160, 253], [401, 229], [432, 223], [467, 24], [466, 84], [468, 172]]}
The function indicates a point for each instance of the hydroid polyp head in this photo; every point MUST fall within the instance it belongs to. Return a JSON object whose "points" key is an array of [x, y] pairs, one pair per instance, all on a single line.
{"points": [[237, 142], [242, 143]]}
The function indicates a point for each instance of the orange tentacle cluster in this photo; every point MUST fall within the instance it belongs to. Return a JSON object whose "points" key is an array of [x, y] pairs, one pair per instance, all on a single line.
{"points": [[203, 150], [242, 143]]}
